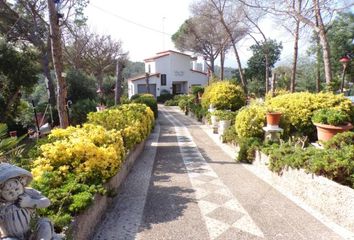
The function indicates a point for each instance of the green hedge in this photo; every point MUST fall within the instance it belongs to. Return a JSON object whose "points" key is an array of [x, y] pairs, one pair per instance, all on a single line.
{"points": [[148, 100]]}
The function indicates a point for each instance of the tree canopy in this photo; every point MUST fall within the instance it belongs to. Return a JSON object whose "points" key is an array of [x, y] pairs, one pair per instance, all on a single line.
{"points": [[18, 73]]}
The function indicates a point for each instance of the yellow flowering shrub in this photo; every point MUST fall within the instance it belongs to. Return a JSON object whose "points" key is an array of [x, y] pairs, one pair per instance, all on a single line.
{"points": [[76, 161], [224, 95], [134, 120], [298, 108], [91, 152], [250, 120]]}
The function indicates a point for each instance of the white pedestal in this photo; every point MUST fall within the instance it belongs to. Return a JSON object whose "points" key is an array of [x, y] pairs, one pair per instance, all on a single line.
{"points": [[272, 132]]}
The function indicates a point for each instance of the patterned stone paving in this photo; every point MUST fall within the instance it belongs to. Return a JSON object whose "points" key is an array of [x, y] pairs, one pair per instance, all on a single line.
{"points": [[222, 212]]}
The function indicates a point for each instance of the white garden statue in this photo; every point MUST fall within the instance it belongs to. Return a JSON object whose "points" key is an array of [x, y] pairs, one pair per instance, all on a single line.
{"points": [[18, 204]]}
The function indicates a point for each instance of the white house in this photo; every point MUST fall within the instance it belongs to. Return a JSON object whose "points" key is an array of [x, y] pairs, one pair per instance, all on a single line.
{"points": [[168, 71]]}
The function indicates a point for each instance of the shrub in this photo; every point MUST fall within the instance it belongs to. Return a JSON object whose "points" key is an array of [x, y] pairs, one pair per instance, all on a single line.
{"points": [[80, 110], [74, 163], [230, 135], [185, 101], [224, 115], [164, 96], [148, 100], [224, 95], [134, 120], [197, 89], [198, 110], [330, 116], [333, 163], [298, 109], [248, 147], [72, 168], [250, 120], [340, 140]]}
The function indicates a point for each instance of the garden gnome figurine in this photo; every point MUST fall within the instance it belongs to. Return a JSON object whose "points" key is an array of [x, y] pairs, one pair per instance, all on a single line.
{"points": [[18, 203]]}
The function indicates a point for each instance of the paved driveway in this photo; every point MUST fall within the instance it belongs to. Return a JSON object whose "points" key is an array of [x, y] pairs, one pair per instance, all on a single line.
{"points": [[183, 186]]}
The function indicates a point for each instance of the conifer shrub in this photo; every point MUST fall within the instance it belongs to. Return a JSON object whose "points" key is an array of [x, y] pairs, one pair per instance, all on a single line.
{"points": [[224, 95]]}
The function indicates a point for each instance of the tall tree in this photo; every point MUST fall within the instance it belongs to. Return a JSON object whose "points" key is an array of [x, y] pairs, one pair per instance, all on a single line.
{"points": [[231, 18], [18, 73], [202, 36], [257, 63], [23, 22], [57, 55], [314, 14]]}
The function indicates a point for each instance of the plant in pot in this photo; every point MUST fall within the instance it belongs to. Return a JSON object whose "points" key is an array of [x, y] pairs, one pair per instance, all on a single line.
{"points": [[225, 117], [329, 122], [273, 117]]}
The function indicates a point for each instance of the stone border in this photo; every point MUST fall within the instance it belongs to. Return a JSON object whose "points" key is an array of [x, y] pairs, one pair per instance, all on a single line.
{"points": [[328, 201], [84, 224]]}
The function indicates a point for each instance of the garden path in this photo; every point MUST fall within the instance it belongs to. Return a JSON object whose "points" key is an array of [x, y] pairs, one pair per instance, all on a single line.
{"points": [[184, 186]]}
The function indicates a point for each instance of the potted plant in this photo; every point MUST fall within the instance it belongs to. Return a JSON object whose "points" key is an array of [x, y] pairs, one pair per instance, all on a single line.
{"points": [[273, 117], [329, 122], [224, 117]]}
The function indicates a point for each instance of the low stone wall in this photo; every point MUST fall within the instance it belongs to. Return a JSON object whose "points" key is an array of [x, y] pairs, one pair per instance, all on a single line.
{"points": [[84, 224], [332, 200]]}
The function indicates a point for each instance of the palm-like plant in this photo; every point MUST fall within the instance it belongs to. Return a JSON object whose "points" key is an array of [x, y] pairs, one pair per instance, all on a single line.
{"points": [[9, 146]]}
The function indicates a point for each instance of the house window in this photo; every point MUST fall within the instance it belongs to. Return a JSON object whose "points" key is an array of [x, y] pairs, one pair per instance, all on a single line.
{"points": [[163, 79], [149, 68]]}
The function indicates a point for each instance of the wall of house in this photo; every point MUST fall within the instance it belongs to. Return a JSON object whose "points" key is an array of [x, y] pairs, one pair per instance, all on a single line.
{"points": [[133, 85], [152, 67], [177, 68]]}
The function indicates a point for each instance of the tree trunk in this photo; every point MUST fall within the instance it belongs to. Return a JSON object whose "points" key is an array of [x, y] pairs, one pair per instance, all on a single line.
{"points": [[147, 76], [58, 64], [318, 66], [296, 49], [274, 78], [118, 87], [324, 43], [243, 81], [222, 61], [46, 71]]}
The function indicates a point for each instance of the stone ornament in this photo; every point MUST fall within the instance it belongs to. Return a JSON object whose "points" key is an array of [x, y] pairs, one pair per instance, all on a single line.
{"points": [[17, 206]]}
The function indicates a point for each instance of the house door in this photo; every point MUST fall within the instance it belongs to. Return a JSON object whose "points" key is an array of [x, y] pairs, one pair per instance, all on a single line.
{"points": [[176, 88]]}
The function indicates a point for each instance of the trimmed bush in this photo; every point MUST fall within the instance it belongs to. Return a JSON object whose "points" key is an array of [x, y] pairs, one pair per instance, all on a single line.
{"points": [[134, 120], [224, 95], [250, 120], [72, 168], [148, 100], [75, 162], [298, 109]]}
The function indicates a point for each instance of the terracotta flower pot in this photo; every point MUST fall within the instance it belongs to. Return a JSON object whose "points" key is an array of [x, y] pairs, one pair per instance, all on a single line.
{"points": [[326, 132], [273, 118]]}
